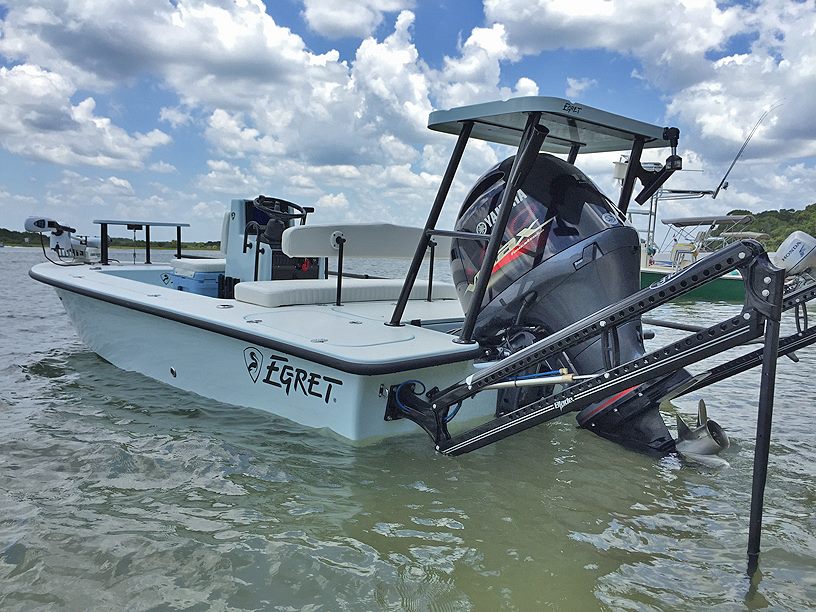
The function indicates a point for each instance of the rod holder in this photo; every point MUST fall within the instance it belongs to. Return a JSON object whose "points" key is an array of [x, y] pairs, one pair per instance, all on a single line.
{"points": [[432, 248], [340, 241]]}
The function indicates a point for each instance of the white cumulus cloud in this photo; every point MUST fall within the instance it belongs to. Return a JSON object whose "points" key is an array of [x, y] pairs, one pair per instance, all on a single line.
{"points": [[340, 19], [41, 122]]}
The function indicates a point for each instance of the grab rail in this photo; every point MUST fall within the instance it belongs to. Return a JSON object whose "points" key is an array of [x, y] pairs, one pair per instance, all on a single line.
{"points": [[137, 226]]}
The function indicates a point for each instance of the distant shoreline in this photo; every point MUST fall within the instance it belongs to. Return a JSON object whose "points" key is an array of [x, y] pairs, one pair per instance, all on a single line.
{"points": [[184, 245], [13, 238]]}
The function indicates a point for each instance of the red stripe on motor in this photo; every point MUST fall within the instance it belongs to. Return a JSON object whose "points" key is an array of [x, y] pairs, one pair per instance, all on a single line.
{"points": [[609, 401]]}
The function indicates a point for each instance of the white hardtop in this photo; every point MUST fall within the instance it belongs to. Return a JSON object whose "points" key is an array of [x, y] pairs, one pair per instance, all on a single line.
{"points": [[569, 123], [709, 220]]}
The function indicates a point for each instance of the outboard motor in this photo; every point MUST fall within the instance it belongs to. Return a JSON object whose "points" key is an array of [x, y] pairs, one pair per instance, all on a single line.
{"points": [[796, 255], [566, 254]]}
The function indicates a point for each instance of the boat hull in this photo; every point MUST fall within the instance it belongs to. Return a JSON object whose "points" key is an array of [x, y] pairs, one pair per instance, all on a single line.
{"points": [[728, 288], [242, 373]]}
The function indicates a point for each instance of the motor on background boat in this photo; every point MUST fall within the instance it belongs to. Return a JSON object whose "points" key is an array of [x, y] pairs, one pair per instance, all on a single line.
{"points": [[796, 254]]}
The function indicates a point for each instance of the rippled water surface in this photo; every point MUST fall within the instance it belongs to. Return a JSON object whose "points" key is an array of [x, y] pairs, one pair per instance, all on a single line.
{"points": [[119, 492]]}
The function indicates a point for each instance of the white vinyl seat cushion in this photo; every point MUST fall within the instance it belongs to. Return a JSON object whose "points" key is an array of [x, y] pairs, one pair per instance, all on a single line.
{"points": [[188, 267], [272, 294]]}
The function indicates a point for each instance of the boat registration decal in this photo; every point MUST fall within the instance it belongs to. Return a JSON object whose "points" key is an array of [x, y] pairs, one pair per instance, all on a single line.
{"points": [[283, 375]]}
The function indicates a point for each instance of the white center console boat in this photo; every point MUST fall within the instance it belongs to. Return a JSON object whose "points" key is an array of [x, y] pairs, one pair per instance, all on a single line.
{"points": [[545, 316]]}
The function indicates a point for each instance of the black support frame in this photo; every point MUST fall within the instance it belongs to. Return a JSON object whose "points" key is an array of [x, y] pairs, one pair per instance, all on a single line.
{"points": [[736, 256], [529, 147], [761, 314], [430, 224]]}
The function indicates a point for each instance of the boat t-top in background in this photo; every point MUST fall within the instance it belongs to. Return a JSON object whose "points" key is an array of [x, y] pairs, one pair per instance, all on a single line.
{"points": [[544, 317]]}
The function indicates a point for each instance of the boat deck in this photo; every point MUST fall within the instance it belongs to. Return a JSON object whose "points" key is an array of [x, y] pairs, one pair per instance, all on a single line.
{"points": [[352, 337]]}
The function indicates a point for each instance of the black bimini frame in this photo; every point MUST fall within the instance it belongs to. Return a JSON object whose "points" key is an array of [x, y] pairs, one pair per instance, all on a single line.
{"points": [[534, 124], [568, 129]]}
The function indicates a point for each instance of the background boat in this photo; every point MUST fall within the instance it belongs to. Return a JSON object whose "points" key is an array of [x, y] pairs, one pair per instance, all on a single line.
{"points": [[693, 238]]}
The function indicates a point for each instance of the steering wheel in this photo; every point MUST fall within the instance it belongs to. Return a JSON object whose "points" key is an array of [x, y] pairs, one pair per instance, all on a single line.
{"points": [[275, 207]]}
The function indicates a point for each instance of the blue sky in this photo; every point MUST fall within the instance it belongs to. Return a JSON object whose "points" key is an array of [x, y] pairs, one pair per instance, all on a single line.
{"points": [[168, 109]]}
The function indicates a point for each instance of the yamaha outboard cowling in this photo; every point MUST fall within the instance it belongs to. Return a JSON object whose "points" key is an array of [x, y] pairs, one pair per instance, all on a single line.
{"points": [[565, 254]]}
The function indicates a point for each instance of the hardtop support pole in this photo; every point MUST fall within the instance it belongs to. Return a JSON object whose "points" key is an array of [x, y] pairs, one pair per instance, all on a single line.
{"points": [[529, 146], [103, 245], [432, 244], [178, 242], [573, 153], [631, 174], [147, 244], [430, 224]]}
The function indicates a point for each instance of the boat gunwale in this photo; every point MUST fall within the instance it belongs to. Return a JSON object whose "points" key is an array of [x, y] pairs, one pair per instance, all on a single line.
{"points": [[391, 366]]}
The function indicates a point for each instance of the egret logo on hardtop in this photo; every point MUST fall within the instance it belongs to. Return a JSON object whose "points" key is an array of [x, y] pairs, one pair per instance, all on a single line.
{"points": [[253, 358]]}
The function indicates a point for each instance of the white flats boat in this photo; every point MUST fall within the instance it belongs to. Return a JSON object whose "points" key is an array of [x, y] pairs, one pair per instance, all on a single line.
{"points": [[545, 316], [285, 346], [544, 307]]}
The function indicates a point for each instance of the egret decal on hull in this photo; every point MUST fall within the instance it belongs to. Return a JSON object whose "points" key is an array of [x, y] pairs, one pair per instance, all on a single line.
{"points": [[283, 375], [253, 358]]}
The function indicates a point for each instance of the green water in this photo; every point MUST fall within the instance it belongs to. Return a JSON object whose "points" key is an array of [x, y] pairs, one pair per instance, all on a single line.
{"points": [[117, 492]]}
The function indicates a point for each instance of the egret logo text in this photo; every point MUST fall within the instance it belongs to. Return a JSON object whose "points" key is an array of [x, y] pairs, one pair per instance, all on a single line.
{"points": [[291, 380]]}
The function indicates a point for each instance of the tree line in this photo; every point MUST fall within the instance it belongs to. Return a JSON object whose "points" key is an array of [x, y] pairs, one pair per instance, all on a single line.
{"points": [[14, 238], [778, 224]]}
